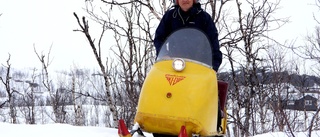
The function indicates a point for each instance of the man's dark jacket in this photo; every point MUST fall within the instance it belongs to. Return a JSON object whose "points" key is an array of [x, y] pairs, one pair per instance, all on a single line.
{"points": [[175, 19]]}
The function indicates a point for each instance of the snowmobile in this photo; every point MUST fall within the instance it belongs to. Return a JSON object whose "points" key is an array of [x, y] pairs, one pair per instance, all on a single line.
{"points": [[181, 95]]}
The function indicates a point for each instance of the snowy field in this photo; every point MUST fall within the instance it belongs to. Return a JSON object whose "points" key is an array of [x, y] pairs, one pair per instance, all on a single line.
{"points": [[65, 130], [55, 130]]}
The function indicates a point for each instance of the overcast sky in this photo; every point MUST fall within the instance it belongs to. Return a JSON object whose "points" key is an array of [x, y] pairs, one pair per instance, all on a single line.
{"points": [[42, 23]]}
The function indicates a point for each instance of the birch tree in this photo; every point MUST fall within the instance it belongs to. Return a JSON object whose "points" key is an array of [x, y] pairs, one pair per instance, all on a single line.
{"points": [[11, 93]]}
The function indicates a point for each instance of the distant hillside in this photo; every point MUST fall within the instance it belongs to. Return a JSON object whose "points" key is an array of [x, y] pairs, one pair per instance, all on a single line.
{"points": [[265, 76]]}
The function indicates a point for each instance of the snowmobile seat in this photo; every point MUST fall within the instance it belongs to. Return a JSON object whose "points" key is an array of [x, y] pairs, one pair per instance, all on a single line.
{"points": [[222, 89]]}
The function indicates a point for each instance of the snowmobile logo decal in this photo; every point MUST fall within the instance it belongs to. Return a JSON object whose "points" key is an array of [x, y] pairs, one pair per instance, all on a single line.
{"points": [[174, 79]]}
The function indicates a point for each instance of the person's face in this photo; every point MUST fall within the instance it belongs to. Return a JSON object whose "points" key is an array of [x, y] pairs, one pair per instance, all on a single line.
{"points": [[185, 5]]}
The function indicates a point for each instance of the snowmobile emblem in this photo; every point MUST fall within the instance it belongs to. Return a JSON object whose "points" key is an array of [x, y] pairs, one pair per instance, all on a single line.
{"points": [[174, 79]]}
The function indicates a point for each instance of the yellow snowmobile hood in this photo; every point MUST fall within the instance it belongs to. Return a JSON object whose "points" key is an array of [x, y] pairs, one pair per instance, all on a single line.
{"points": [[170, 99]]}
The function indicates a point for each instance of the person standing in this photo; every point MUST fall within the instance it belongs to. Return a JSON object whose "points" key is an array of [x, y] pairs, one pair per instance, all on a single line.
{"points": [[188, 13]]}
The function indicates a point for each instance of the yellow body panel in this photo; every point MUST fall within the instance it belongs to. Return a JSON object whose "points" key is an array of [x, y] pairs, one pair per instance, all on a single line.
{"points": [[224, 122], [170, 99]]}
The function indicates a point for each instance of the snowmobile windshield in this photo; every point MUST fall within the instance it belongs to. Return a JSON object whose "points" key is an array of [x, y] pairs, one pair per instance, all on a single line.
{"points": [[188, 43]]}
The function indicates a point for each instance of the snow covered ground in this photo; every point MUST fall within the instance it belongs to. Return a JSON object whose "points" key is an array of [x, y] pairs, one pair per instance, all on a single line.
{"points": [[55, 130], [65, 130]]}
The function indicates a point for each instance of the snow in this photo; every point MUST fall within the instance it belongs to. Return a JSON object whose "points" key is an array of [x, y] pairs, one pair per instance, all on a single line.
{"points": [[65, 130], [56, 130]]}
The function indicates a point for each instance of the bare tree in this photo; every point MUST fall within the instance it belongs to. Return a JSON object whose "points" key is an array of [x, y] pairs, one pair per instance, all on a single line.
{"points": [[10, 92], [134, 56], [79, 85], [245, 41], [311, 52], [56, 98], [311, 49], [28, 106], [133, 51], [3, 93], [280, 84], [97, 52], [76, 106]]}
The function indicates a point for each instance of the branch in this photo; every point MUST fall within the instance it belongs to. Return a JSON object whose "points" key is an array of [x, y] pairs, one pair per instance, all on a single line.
{"points": [[2, 104], [147, 4], [85, 29], [313, 120]]}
